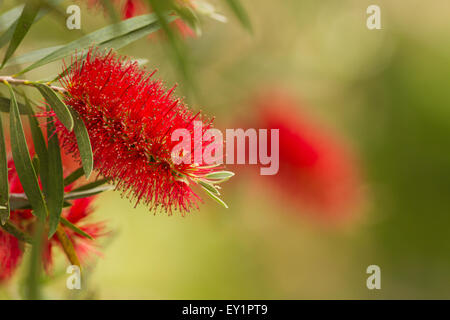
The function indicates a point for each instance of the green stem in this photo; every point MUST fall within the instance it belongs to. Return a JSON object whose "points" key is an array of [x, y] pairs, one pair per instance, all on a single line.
{"points": [[33, 290]]}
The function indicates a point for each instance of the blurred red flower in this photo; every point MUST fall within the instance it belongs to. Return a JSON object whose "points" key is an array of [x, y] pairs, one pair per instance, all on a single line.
{"points": [[317, 171], [10, 255], [131, 8], [11, 249]]}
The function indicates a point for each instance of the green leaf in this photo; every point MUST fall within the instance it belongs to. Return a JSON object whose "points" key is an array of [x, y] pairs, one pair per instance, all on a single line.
{"points": [[67, 246], [67, 204], [10, 16], [209, 187], [240, 13], [87, 193], [7, 35], [5, 104], [177, 47], [74, 228], [20, 201], [10, 24], [84, 144], [36, 164], [97, 37], [16, 232], [74, 176], [122, 41], [55, 189], [220, 176], [190, 17], [22, 161], [91, 185], [55, 102], [24, 23], [39, 145], [215, 198], [4, 185], [31, 56], [112, 13]]}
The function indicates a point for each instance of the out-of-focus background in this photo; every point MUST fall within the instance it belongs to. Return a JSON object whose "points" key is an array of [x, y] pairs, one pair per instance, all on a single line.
{"points": [[373, 104]]}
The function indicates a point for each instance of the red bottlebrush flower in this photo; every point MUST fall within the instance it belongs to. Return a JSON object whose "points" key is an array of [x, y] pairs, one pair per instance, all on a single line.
{"points": [[317, 171], [184, 29], [80, 210], [130, 119], [11, 249], [11, 253], [132, 8]]}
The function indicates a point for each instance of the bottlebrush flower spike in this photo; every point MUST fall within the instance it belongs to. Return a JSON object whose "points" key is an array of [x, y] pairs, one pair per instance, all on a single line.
{"points": [[130, 119]]}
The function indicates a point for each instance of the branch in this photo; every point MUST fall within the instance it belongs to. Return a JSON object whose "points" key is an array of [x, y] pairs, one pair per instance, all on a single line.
{"points": [[15, 81]]}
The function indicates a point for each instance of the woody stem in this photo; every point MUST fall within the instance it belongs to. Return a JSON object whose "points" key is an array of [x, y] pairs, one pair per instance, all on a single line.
{"points": [[15, 81]]}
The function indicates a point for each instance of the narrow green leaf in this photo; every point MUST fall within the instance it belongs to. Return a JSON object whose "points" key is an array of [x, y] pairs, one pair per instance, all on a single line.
{"points": [[10, 24], [190, 17], [209, 187], [24, 23], [177, 47], [4, 185], [112, 12], [7, 35], [67, 204], [55, 192], [5, 104], [74, 176], [10, 16], [39, 146], [36, 165], [97, 37], [16, 232], [67, 246], [31, 56], [22, 161], [220, 176], [240, 13], [87, 193], [74, 228], [122, 41], [20, 201], [84, 144], [215, 198], [91, 185], [55, 102]]}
